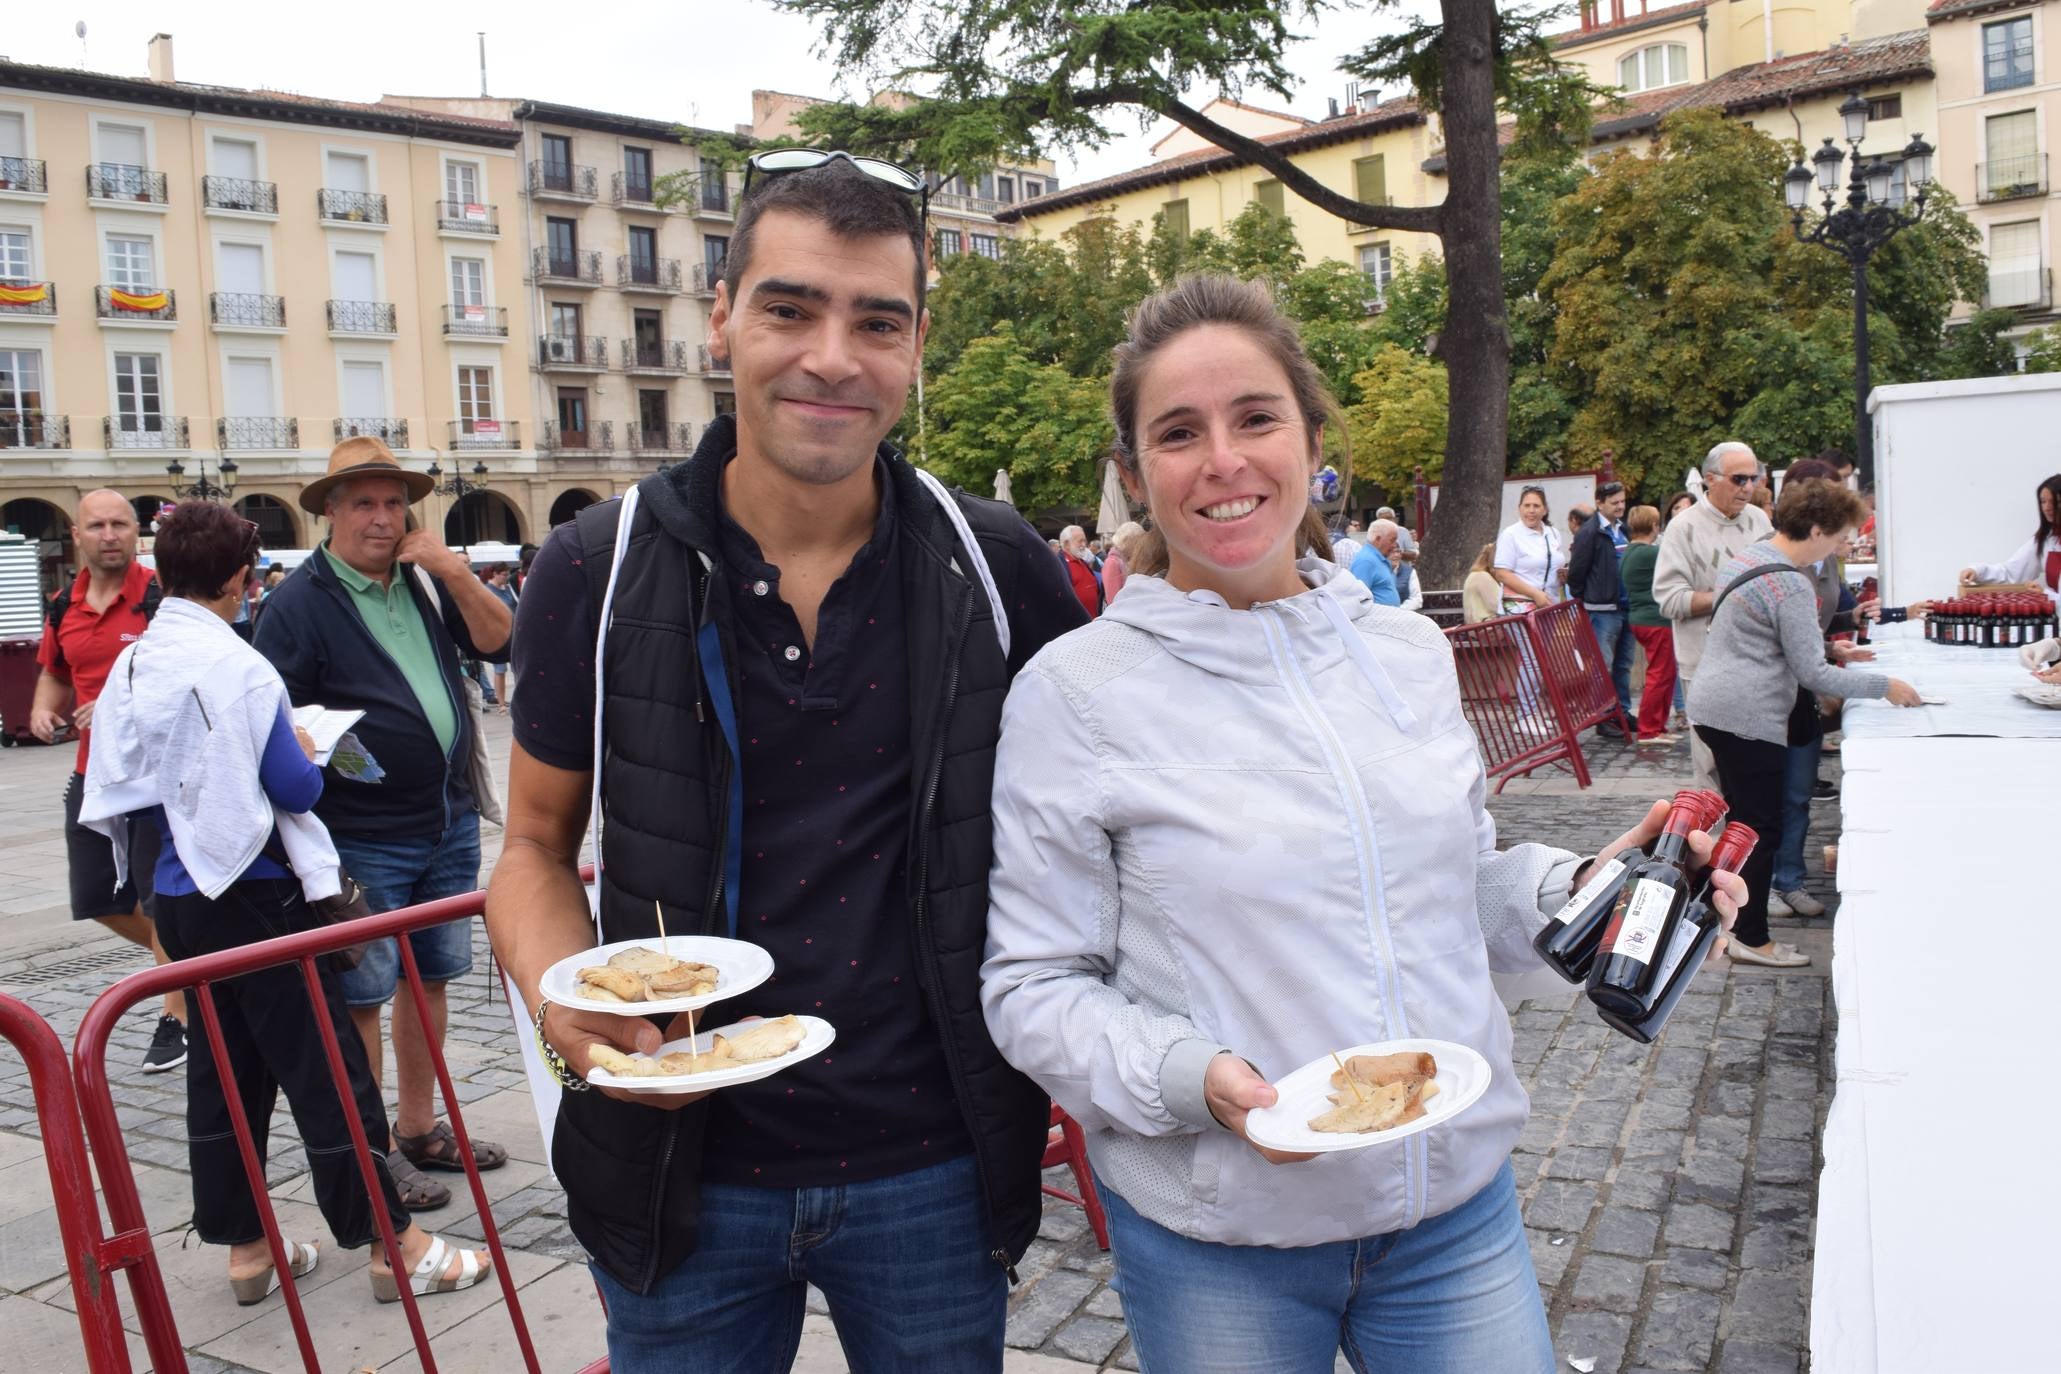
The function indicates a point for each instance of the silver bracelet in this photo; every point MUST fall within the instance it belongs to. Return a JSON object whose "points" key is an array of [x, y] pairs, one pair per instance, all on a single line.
{"points": [[553, 1060]]}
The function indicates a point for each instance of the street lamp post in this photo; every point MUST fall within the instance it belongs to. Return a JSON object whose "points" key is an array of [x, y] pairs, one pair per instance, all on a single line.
{"points": [[202, 489], [1856, 229], [457, 486]]}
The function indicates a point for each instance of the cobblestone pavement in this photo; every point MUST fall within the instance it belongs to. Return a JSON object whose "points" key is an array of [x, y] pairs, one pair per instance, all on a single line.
{"points": [[1668, 1190]]}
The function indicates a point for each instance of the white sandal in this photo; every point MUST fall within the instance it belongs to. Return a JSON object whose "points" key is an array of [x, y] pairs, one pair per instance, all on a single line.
{"points": [[428, 1277], [254, 1289]]}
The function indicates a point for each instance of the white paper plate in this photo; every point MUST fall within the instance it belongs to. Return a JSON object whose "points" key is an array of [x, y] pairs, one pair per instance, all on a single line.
{"points": [[1463, 1076], [742, 967], [2041, 694], [816, 1038]]}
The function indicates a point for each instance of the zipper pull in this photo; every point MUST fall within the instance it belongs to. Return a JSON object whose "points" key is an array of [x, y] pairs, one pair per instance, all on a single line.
{"points": [[1001, 1257]]}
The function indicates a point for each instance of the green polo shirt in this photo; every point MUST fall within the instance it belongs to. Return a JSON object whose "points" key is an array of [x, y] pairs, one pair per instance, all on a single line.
{"points": [[390, 612]]}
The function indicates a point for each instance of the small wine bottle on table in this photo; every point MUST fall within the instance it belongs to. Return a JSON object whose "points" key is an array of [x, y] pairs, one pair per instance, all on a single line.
{"points": [[1642, 925], [1694, 936]]}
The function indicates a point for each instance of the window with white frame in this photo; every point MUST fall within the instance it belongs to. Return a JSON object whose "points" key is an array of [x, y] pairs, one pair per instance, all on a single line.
{"points": [[468, 281], [1662, 64], [16, 261], [475, 395], [2016, 271], [950, 243], [139, 401], [21, 396], [462, 183], [987, 245], [1376, 262], [14, 134], [131, 263]]}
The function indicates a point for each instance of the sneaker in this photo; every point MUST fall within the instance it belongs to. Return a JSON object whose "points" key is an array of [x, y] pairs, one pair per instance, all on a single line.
{"points": [[167, 1046], [1822, 790], [1778, 905], [1777, 955], [1797, 901]]}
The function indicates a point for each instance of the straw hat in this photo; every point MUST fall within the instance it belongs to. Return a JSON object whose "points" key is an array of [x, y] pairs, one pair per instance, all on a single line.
{"points": [[362, 456]]}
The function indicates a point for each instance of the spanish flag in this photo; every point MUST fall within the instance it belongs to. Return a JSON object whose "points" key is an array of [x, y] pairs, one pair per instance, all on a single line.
{"points": [[156, 300], [24, 295]]}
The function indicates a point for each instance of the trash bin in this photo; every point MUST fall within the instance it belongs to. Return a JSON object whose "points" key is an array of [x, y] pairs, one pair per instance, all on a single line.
{"points": [[18, 673]]}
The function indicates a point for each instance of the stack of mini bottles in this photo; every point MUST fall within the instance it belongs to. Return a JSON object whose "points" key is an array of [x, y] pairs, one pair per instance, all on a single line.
{"points": [[1640, 927], [2007, 620]]}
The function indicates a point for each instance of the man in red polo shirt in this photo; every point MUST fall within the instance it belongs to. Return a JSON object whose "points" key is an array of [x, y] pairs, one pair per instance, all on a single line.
{"points": [[103, 612]]}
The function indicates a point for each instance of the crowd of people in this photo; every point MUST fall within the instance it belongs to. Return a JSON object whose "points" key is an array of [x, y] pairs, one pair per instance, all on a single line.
{"points": [[1135, 826]]}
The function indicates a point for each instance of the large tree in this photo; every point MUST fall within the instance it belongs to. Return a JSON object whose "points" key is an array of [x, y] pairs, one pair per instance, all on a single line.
{"points": [[1010, 77]]}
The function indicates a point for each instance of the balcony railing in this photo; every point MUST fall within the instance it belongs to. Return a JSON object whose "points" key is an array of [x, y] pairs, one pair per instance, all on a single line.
{"points": [[710, 364], [667, 355], [2019, 289], [236, 193], [647, 274], [24, 174], [485, 434], [572, 350], [477, 321], [2011, 178], [257, 431], [44, 302], [119, 181], [566, 269], [676, 437], [143, 431], [593, 439], [974, 205], [468, 217], [626, 190], [351, 207], [394, 431], [241, 310], [563, 180], [361, 317], [108, 304], [702, 280], [34, 429]]}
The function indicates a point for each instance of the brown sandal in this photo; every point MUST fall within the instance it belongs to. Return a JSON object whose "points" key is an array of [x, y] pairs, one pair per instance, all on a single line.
{"points": [[438, 1149], [419, 1192]]}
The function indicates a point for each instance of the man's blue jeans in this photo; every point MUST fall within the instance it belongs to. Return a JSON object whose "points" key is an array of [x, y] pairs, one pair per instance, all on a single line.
{"points": [[1455, 1294], [404, 872], [903, 1262], [1614, 637], [1797, 784]]}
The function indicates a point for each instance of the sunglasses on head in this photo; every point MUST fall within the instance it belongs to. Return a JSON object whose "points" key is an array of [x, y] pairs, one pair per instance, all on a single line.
{"points": [[778, 161]]}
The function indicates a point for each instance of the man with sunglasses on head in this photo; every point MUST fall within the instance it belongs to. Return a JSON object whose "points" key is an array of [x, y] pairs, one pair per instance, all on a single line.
{"points": [[1700, 541], [802, 646]]}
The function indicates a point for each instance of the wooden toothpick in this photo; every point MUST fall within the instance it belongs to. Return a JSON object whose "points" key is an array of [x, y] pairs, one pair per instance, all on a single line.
{"points": [[693, 1055], [1358, 1096], [659, 907]]}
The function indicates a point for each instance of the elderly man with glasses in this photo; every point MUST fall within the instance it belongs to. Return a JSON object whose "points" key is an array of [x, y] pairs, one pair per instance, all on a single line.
{"points": [[1702, 540]]}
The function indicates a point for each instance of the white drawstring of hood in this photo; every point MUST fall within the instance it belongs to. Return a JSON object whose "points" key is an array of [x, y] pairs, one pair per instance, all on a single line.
{"points": [[1399, 713]]}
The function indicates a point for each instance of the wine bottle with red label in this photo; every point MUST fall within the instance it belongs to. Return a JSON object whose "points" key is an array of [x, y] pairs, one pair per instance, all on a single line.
{"points": [[1694, 936], [1642, 924]]}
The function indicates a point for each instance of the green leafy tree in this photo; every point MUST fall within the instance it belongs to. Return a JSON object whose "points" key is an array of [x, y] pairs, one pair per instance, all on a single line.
{"points": [[1399, 423], [999, 407], [1982, 347], [1258, 245]]}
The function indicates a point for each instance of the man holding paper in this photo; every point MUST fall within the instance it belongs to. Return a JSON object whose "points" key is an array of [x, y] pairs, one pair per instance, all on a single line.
{"points": [[378, 622]]}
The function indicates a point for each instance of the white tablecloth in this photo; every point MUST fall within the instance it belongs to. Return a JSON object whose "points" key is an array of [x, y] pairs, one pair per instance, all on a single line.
{"points": [[1938, 1208]]}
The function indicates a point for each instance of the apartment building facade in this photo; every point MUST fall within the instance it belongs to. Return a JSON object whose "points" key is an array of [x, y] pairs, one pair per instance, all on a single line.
{"points": [[200, 283]]}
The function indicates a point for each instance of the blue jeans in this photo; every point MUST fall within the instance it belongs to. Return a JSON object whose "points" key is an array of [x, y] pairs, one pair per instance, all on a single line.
{"points": [[1614, 638], [1455, 1294], [398, 873], [1797, 783], [902, 1261]]}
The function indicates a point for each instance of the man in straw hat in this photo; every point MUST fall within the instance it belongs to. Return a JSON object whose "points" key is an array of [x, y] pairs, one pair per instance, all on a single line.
{"points": [[379, 621]]}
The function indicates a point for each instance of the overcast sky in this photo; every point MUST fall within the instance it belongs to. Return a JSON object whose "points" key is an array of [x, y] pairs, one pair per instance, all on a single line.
{"points": [[696, 62]]}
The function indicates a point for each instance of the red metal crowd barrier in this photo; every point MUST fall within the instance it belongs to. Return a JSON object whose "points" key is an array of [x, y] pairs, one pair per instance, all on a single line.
{"points": [[1529, 685], [130, 1249]]}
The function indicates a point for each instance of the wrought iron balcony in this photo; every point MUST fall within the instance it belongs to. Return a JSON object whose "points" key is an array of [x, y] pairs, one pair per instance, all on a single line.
{"points": [[710, 364], [393, 431], [241, 310], [351, 207], [594, 439], [677, 437], [362, 317], [29, 174], [108, 304], [2011, 178], [563, 181], [701, 281], [667, 355], [236, 193], [43, 302], [34, 429], [647, 274], [566, 269], [2029, 288], [119, 181], [469, 217], [624, 190], [476, 321], [143, 431], [479, 434], [257, 431], [575, 352]]}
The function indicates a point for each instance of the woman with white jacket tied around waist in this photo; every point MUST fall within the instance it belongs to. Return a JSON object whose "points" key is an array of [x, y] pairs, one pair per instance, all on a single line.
{"points": [[1239, 824]]}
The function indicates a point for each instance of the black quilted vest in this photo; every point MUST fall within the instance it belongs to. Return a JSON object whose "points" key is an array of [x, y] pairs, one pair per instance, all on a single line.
{"points": [[631, 1173]]}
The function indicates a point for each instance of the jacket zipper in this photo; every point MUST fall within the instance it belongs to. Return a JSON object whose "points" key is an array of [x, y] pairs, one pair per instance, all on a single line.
{"points": [[1394, 1014], [932, 984]]}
